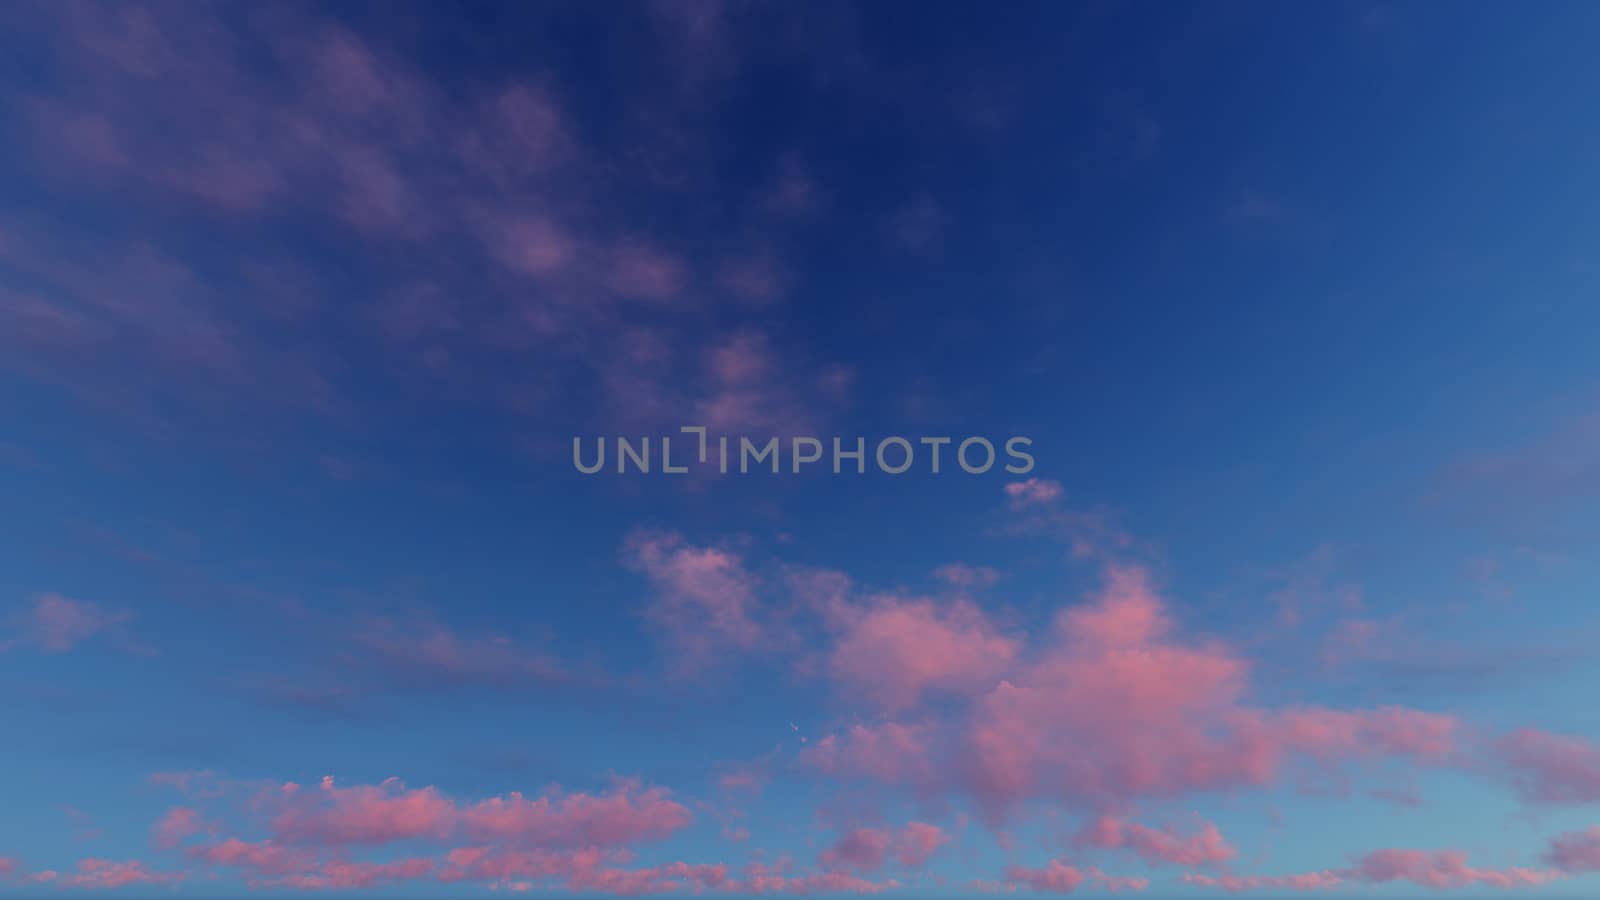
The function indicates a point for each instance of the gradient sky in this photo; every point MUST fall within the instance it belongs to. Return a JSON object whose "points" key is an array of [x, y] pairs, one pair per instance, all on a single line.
{"points": [[301, 308]]}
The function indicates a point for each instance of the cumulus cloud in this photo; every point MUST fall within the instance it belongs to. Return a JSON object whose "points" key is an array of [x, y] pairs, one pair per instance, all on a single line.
{"points": [[1576, 851], [1205, 847], [1550, 768]]}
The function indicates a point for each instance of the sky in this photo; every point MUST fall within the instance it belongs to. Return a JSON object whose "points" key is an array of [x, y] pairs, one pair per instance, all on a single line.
{"points": [[1292, 308]]}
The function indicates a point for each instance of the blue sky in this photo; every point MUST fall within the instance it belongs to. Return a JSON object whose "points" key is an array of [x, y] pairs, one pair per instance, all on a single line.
{"points": [[302, 306]]}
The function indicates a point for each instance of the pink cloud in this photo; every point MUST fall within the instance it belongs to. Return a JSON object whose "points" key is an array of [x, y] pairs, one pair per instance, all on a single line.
{"points": [[627, 815], [364, 814], [519, 133], [890, 752], [502, 864], [1056, 877], [1127, 614], [9, 866], [1442, 869], [261, 857], [346, 875], [897, 650], [917, 843], [748, 779], [1394, 730], [675, 876], [1310, 881], [742, 359], [1435, 869], [390, 812], [751, 390], [864, 849], [105, 873], [1551, 768], [56, 624], [1207, 847], [1576, 851], [1036, 509], [763, 879], [1116, 711], [1033, 492], [869, 849], [178, 825], [592, 870], [1116, 883], [707, 598], [1120, 709]]}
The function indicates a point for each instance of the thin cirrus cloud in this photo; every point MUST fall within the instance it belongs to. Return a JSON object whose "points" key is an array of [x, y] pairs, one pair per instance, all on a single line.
{"points": [[298, 120], [52, 623]]}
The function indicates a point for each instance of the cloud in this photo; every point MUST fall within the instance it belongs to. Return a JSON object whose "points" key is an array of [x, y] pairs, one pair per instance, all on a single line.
{"points": [[1431, 869], [1033, 492], [1207, 847], [346, 875], [897, 650], [429, 653], [640, 271], [1576, 851], [864, 849], [1309, 881], [363, 814], [917, 843], [628, 815], [259, 857], [105, 873], [706, 599], [296, 124], [1115, 707], [1036, 508], [1550, 768], [869, 849], [178, 825], [1442, 869], [375, 815], [758, 279], [597, 871], [890, 752], [56, 624], [1056, 877]]}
